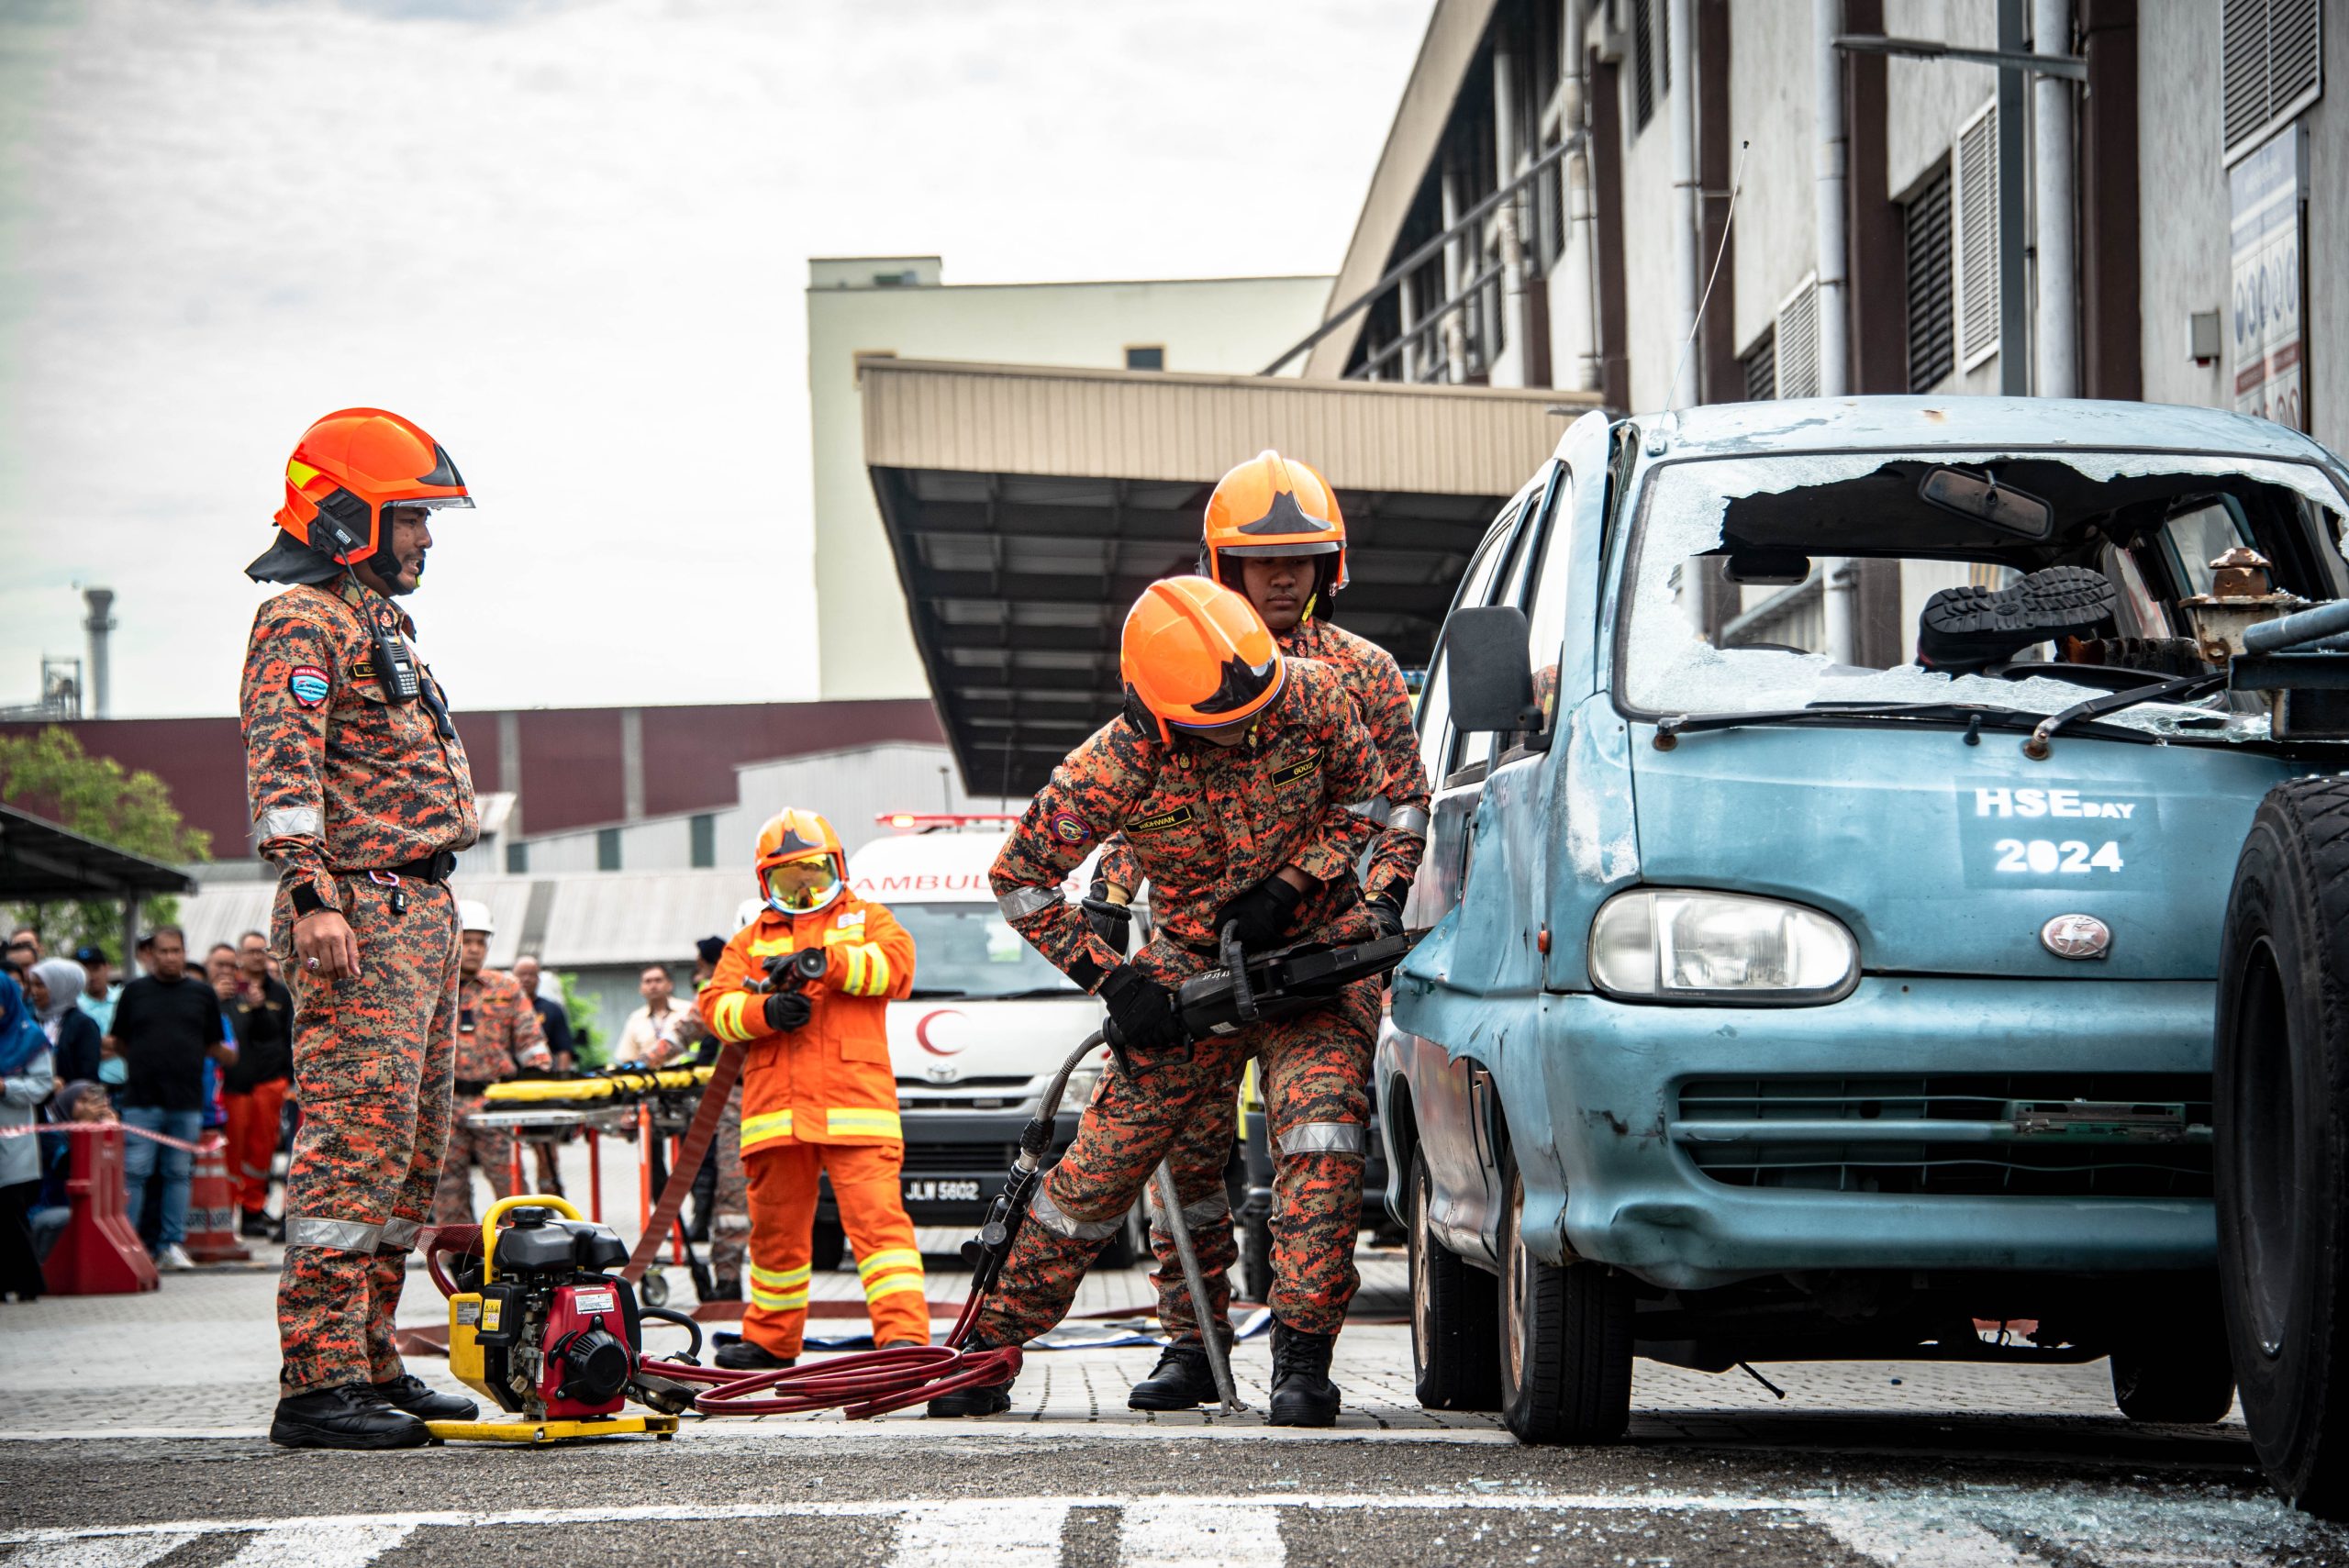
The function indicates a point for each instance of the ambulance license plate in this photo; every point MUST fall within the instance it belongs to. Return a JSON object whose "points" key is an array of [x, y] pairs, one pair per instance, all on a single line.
{"points": [[931, 1191]]}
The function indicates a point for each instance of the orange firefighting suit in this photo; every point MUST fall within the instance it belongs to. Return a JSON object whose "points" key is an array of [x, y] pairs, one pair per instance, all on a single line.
{"points": [[1205, 824], [346, 786], [1375, 683], [822, 1099]]}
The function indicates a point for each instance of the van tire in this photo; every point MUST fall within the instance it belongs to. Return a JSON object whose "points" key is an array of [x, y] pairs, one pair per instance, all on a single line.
{"points": [[2280, 1104], [1456, 1314], [2174, 1367], [1256, 1257], [830, 1246], [1129, 1248], [1565, 1339]]}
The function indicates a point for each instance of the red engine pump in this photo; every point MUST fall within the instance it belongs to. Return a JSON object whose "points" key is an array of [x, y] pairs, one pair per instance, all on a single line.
{"points": [[588, 1359]]}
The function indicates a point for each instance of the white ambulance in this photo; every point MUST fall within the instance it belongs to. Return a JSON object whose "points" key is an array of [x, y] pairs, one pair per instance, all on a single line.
{"points": [[988, 1024]]}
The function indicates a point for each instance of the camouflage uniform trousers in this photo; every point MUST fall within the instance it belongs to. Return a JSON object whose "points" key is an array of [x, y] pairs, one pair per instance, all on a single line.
{"points": [[729, 1225], [490, 1147], [373, 1058], [1082, 1201], [1315, 1069]]}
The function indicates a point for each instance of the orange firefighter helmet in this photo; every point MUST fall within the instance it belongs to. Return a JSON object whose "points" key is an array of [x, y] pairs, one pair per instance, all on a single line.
{"points": [[1195, 656], [349, 468], [1273, 505], [804, 841]]}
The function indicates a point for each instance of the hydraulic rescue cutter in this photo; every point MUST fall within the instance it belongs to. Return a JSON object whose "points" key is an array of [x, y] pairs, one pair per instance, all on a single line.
{"points": [[539, 1322]]}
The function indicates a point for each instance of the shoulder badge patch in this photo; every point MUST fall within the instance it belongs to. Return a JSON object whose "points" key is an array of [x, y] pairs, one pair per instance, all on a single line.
{"points": [[307, 683], [1296, 770], [1160, 821], [1070, 829]]}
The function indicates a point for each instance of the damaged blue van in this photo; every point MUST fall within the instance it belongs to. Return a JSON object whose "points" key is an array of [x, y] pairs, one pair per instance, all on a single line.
{"points": [[1835, 806]]}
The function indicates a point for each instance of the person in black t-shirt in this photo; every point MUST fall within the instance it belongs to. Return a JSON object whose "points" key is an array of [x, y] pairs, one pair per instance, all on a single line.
{"points": [[254, 1089], [165, 1026]]}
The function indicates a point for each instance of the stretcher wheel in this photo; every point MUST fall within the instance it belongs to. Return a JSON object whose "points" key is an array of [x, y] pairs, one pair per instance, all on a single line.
{"points": [[654, 1289], [2280, 1104]]}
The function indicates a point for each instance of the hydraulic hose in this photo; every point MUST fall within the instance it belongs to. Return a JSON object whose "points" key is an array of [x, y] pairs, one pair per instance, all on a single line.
{"points": [[876, 1382]]}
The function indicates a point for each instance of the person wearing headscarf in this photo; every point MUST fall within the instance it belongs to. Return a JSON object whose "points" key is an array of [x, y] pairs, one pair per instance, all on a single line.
{"points": [[27, 1081], [75, 1042]]}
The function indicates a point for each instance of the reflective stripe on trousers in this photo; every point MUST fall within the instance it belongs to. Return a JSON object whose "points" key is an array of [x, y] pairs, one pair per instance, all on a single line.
{"points": [[1322, 1137]]}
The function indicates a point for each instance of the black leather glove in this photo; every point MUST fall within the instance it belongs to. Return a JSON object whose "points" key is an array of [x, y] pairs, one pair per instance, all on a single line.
{"points": [[1263, 913], [1141, 1011], [787, 1010], [1386, 909], [1113, 923]]}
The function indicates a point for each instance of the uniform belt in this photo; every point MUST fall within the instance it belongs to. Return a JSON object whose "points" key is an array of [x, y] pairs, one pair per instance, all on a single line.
{"points": [[437, 866]]}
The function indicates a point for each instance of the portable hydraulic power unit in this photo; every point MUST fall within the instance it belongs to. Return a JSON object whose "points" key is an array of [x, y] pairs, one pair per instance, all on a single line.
{"points": [[541, 1322]]}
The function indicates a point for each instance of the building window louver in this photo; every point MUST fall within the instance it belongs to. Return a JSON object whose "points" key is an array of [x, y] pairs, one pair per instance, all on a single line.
{"points": [[1644, 64], [1760, 364], [2270, 68], [1796, 335], [1975, 237], [1925, 222]]}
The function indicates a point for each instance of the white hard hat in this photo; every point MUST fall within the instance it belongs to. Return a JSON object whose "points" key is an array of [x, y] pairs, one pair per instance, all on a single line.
{"points": [[472, 915]]}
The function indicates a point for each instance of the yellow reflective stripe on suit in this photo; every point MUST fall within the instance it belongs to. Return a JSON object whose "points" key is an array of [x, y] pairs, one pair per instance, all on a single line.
{"points": [[726, 1016], [781, 1290], [868, 971], [766, 1129], [844, 1122], [889, 1272]]}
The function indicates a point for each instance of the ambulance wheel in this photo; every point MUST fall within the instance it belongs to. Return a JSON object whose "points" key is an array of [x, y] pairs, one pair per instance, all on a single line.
{"points": [[2280, 1103], [1256, 1257], [830, 1245], [1565, 1330], [2174, 1367], [654, 1288], [1456, 1357]]}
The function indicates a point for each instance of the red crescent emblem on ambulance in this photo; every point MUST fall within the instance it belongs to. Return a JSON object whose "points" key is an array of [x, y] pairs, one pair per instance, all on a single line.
{"points": [[922, 1033]]}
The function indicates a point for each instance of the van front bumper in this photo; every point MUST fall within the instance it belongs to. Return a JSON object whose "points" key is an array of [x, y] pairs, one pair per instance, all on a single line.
{"points": [[1695, 1147]]}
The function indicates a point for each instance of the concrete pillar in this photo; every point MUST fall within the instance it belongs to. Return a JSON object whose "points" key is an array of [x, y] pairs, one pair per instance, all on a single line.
{"points": [[509, 767], [1830, 155], [1688, 214], [632, 764], [2056, 339], [1510, 358]]}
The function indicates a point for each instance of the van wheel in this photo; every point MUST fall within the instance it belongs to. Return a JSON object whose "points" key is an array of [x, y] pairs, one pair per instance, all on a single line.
{"points": [[1565, 1361], [1129, 1248], [2177, 1370], [2280, 1094], [830, 1245], [1456, 1314]]}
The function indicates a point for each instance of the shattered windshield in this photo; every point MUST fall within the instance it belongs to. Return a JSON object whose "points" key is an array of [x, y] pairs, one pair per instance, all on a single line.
{"points": [[2026, 581]]}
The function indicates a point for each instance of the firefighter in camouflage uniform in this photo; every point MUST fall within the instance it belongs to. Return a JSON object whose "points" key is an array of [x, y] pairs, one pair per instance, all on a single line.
{"points": [[1274, 532], [362, 796], [1236, 775], [497, 1031]]}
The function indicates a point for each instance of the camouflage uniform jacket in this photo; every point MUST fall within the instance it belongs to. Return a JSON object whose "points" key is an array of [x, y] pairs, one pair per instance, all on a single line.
{"points": [[1375, 683], [1205, 822], [339, 778], [496, 1027]]}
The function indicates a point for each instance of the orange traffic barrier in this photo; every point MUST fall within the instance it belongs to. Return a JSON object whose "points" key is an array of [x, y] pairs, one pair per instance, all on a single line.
{"points": [[98, 1253]]}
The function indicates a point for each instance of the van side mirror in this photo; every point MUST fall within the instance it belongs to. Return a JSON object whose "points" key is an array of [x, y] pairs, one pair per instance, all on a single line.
{"points": [[1488, 672]]}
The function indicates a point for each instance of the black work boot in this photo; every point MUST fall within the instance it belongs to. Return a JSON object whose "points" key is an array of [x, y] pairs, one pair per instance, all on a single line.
{"points": [[348, 1414], [407, 1392], [1303, 1394], [744, 1355], [1968, 629], [986, 1399], [1183, 1380]]}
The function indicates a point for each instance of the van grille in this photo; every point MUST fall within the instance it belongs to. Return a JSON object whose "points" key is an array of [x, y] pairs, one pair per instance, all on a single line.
{"points": [[963, 1158], [1974, 1134]]}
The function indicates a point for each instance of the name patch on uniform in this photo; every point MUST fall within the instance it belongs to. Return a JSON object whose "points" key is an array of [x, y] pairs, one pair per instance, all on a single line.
{"points": [[1070, 829], [1158, 822], [1296, 770], [307, 684]]}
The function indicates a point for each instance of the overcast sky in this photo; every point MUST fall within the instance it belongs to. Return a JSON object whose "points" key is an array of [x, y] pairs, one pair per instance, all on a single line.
{"points": [[571, 241]]}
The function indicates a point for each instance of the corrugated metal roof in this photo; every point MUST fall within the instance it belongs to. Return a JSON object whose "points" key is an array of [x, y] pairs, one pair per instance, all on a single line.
{"points": [[1156, 426]]}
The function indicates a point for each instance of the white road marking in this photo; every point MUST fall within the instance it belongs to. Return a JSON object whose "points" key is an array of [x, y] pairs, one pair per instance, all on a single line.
{"points": [[1201, 1533], [117, 1551], [981, 1533], [1902, 1539], [311, 1545]]}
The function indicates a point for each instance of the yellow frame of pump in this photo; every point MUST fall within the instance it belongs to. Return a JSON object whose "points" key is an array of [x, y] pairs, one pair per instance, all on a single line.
{"points": [[465, 1360]]}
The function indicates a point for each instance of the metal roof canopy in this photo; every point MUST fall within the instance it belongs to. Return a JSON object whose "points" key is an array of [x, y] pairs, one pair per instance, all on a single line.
{"points": [[1027, 507], [40, 861]]}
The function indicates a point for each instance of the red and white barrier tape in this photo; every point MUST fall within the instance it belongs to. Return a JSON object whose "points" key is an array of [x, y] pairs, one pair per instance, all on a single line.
{"points": [[123, 1127]]}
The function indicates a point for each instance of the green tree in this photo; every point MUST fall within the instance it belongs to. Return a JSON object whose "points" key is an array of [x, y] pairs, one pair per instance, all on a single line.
{"points": [[589, 1053], [49, 775]]}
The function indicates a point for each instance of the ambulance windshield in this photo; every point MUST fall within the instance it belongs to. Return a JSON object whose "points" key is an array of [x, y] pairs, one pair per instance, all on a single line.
{"points": [[970, 951]]}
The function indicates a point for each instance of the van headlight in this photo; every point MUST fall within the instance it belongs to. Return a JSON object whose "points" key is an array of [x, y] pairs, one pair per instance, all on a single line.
{"points": [[1082, 1082], [1672, 946]]}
